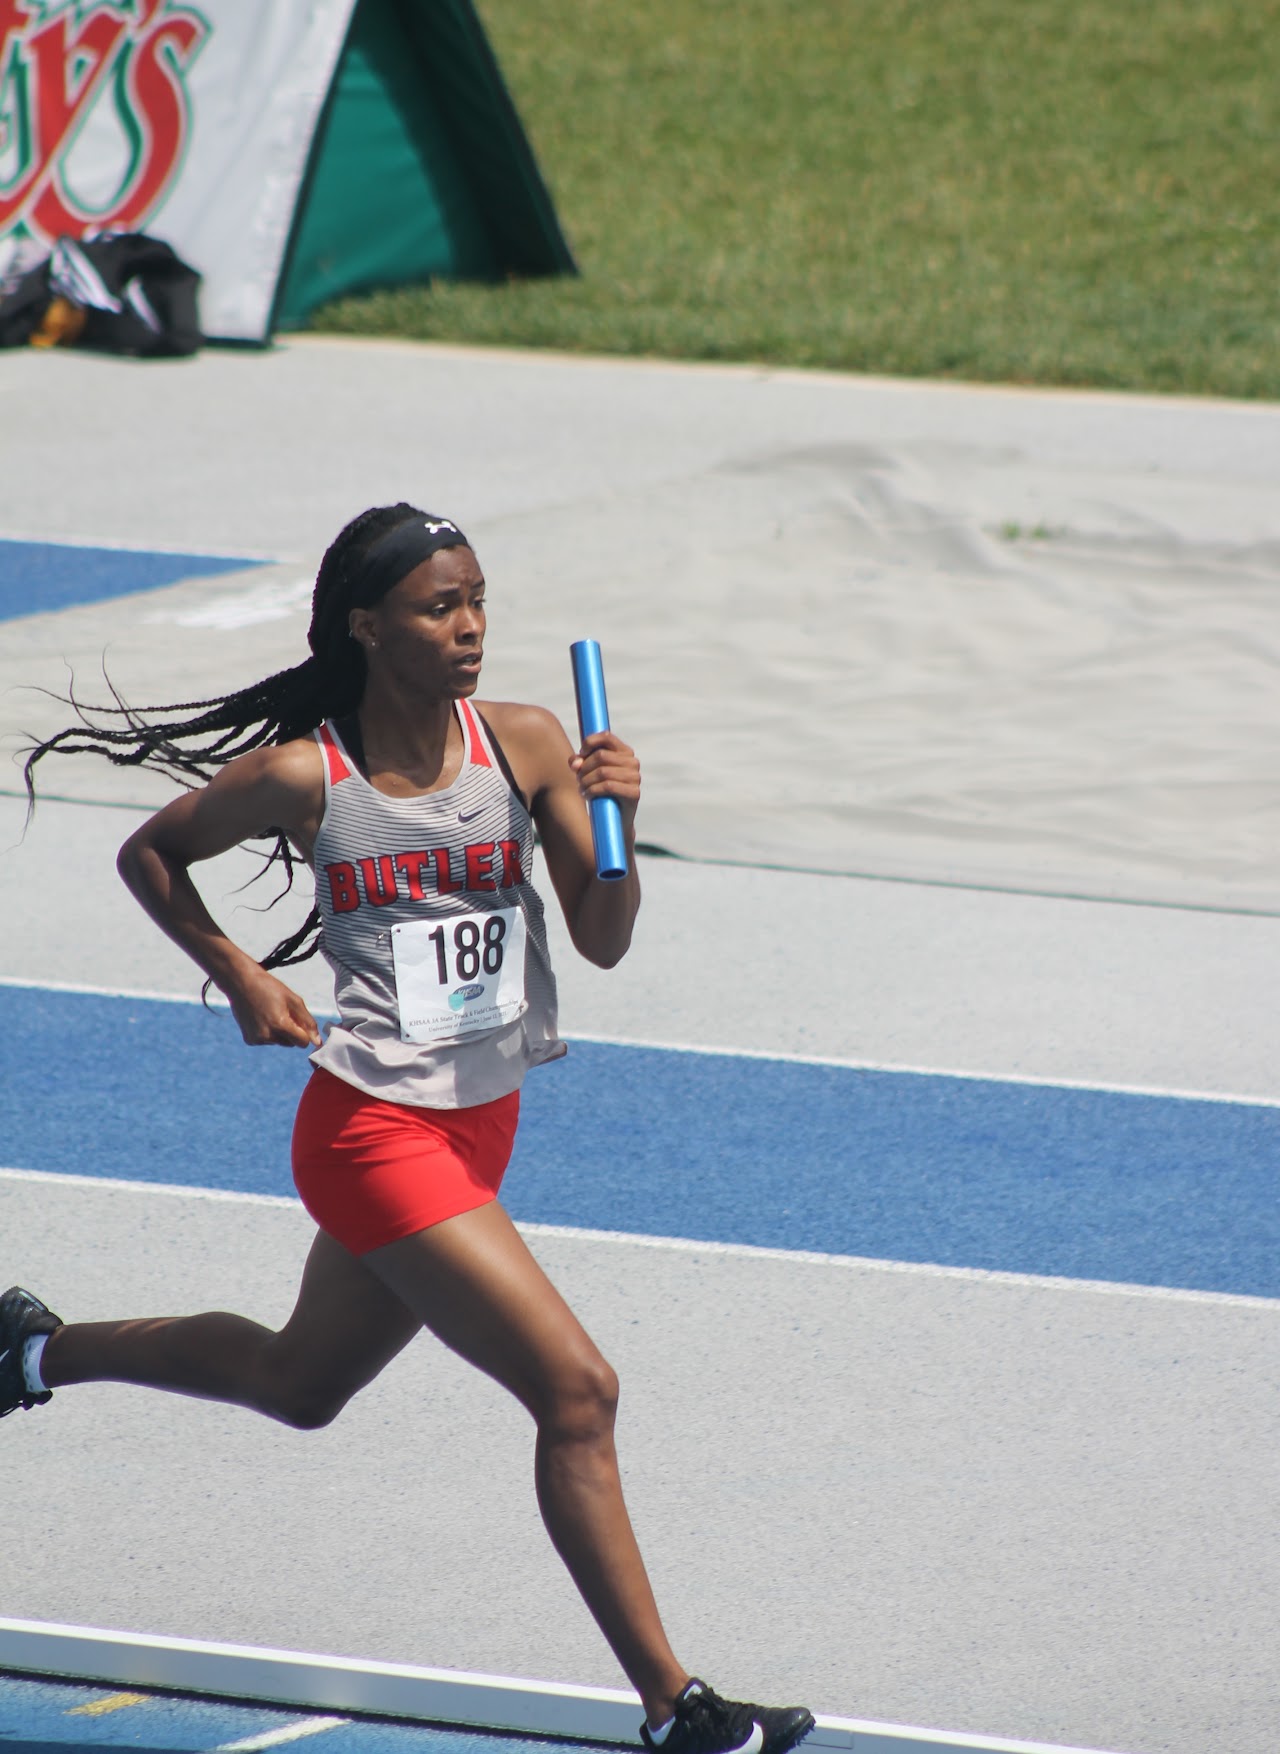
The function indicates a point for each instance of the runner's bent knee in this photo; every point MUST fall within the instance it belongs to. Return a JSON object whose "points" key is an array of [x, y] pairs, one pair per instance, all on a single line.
{"points": [[296, 1393], [304, 1406], [580, 1402]]}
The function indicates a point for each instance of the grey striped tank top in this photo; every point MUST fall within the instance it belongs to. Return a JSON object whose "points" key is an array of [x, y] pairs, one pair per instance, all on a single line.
{"points": [[418, 898]]}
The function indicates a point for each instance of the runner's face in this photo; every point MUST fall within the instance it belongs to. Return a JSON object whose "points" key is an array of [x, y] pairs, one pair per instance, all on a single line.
{"points": [[428, 632]]}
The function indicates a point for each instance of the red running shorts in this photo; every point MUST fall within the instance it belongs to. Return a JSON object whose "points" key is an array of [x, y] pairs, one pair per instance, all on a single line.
{"points": [[370, 1172]]}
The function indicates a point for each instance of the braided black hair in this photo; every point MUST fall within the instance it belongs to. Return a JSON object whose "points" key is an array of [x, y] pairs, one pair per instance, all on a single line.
{"points": [[328, 684]]}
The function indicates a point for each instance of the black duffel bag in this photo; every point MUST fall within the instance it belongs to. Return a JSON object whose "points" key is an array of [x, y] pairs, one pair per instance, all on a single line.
{"points": [[121, 292]]}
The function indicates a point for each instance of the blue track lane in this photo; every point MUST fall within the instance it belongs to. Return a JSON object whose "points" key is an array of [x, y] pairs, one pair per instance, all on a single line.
{"points": [[958, 1172], [36, 577], [65, 1717]]}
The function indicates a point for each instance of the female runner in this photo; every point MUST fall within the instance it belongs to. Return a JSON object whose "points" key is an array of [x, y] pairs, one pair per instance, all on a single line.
{"points": [[415, 810]]}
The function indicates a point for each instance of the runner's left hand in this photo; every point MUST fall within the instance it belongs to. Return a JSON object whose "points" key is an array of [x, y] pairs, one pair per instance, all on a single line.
{"points": [[606, 767]]}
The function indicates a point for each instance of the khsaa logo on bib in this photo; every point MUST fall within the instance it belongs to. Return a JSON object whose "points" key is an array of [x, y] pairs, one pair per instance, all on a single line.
{"points": [[459, 998]]}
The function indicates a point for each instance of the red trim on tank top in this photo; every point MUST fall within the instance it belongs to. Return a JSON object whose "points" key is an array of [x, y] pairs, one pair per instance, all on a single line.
{"points": [[476, 750], [338, 769]]}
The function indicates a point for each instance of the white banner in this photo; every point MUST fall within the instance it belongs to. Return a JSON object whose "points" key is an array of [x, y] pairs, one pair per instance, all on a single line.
{"points": [[190, 122]]}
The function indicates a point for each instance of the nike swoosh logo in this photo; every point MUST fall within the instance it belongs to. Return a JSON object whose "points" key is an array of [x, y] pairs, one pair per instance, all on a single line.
{"points": [[753, 1744], [470, 815], [4, 1355]]}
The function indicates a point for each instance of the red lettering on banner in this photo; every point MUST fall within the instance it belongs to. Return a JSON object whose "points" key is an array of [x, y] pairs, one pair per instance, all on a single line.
{"points": [[379, 880], [41, 76], [342, 888], [155, 82], [56, 71], [512, 869], [480, 865]]}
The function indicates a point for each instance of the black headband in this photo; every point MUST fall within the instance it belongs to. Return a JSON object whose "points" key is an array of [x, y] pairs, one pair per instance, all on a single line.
{"points": [[395, 556]]}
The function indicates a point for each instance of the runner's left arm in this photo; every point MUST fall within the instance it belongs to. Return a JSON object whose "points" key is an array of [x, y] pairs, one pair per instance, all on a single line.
{"points": [[559, 782]]}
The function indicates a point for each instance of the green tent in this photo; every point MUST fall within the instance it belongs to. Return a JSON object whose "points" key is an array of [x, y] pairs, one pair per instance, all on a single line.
{"points": [[420, 168]]}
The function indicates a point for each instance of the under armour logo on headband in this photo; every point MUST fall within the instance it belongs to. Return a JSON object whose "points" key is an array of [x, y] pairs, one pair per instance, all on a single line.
{"points": [[398, 552]]}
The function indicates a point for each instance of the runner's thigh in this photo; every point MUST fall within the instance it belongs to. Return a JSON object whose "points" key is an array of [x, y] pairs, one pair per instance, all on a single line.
{"points": [[474, 1283], [346, 1325]]}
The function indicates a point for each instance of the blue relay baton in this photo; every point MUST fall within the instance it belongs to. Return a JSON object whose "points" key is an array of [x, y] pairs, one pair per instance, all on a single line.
{"points": [[593, 716]]}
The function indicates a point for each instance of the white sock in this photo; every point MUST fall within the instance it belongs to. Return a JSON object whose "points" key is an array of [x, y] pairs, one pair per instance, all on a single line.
{"points": [[660, 1735], [32, 1353]]}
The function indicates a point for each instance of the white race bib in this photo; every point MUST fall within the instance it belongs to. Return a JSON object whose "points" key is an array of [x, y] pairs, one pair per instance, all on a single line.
{"points": [[459, 975]]}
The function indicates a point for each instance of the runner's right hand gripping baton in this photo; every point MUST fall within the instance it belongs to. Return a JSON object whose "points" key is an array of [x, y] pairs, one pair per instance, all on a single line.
{"points": [[593, 715]]}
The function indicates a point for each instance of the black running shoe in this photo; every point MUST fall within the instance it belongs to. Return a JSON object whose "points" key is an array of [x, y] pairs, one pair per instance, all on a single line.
{"points": [[707, 1724], [21, 1315]]}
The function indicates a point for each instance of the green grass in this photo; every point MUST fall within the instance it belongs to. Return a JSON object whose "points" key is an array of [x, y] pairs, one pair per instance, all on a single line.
{"points": [[1011, 190]]}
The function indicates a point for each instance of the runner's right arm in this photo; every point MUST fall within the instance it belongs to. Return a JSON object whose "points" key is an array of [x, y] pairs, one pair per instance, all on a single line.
{"points": [[281, 787]]}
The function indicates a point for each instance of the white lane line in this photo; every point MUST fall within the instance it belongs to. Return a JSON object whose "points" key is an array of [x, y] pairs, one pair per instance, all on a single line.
{"points": [[692, 1245], [921, 1269], [172, 1189], [307, 1726], [841, 1062], [7, 980], [859, 1065], [497, 1704]]}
